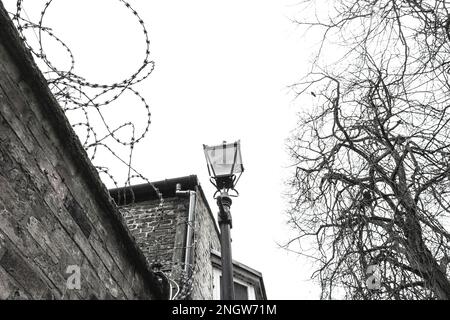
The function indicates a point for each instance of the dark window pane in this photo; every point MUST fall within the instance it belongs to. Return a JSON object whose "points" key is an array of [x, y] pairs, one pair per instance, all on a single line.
{"points": [[240, 291]]}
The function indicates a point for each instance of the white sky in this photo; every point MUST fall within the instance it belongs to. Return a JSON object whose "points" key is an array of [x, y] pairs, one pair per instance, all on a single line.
{"points": [[221, 73]]}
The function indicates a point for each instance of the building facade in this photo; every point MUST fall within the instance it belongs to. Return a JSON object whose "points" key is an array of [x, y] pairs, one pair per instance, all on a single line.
{"points": [[177, 232]]}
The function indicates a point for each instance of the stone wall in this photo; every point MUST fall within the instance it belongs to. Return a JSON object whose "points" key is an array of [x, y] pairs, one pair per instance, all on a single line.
{"points": [[54, 210]]}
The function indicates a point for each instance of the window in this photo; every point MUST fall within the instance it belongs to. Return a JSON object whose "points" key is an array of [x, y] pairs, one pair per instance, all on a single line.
{"points": [[242, 290]]}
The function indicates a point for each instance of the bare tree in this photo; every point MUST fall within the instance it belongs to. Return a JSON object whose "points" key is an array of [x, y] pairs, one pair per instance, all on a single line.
{"points": [[372, 153]]}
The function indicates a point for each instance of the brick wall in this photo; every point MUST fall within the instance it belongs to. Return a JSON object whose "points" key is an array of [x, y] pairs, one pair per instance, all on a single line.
{"points": [[54, 211], [159, 230], [206, 238], [161, 233]]}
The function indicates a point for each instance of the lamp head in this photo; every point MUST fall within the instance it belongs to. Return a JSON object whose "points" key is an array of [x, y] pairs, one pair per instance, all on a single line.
{"points": [[224, 164]]}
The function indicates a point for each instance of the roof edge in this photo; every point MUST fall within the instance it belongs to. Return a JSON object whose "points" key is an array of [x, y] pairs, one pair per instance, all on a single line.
{"points": [[146, 192], [239, 264]]}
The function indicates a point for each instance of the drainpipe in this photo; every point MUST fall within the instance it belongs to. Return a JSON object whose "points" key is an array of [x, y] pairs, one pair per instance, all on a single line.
{"points": [[191, 218]]}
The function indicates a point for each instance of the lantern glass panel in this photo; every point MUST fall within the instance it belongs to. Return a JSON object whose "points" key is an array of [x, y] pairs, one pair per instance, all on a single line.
{"points": [[224, 160]]}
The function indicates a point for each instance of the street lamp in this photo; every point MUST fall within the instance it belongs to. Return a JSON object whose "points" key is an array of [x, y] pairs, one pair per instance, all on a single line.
{"points": [[225, 168]]}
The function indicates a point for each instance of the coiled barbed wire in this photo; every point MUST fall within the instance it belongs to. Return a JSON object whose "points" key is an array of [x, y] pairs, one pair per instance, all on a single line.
{"points": [[75, 93]]}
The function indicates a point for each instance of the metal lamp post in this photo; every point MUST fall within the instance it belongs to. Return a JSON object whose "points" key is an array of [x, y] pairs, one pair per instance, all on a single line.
{"points": [[225, 168]]}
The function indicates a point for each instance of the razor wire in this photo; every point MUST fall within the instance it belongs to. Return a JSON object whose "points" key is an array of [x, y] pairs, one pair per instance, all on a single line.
{"points": [[76, 93]]}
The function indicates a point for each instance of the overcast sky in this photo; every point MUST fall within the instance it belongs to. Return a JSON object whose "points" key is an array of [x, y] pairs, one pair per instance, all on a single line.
{"points": [[222, 71]]}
